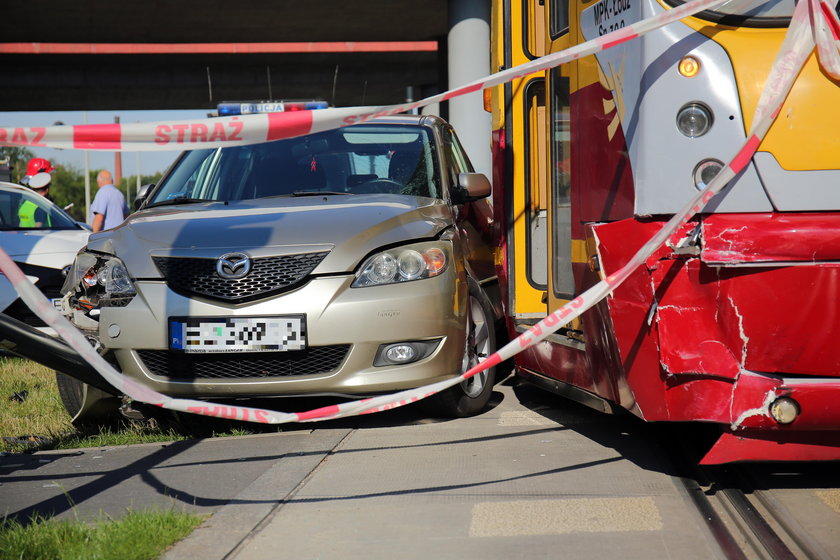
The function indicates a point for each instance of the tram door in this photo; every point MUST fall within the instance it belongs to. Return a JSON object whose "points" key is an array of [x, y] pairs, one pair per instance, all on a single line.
{"points": [[525, 125], [537, 123]]}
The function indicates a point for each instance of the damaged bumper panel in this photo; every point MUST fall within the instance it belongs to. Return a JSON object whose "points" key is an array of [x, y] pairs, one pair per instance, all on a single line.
{"points": [[762, 445], [780, 419], [697, 330], [792, 404]]}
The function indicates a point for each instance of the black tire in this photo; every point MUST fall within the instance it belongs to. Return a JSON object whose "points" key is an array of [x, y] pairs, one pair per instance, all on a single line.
{"points": [[72, 393], [470, 397], [86, 405]]}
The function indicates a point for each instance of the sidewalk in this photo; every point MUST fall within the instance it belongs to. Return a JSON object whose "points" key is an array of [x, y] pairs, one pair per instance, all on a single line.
{"points": [[523, 480], [201, 476]]}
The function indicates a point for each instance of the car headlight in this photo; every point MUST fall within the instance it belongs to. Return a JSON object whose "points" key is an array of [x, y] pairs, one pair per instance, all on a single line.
{"points": [[98, 280], [113, 276], [402, 264]]}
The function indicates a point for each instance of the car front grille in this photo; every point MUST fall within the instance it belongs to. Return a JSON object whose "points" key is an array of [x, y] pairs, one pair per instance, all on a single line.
{"points": [[268, 276], [243, 365]]}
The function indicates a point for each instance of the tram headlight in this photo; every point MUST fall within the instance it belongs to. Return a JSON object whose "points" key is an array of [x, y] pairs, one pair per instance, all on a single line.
{"points": [[784, 410], [694, 119], [705, 171]]}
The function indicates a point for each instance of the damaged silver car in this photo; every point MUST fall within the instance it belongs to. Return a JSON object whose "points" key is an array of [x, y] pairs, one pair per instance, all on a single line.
{"points": [[346, 263]]}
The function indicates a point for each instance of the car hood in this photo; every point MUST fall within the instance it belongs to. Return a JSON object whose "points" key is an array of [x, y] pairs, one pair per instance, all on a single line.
{"points": [[52, 248], [349, 226]]}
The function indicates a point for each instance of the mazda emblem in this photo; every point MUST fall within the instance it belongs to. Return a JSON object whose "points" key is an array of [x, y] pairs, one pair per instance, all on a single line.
{"points": [[233, 266]]}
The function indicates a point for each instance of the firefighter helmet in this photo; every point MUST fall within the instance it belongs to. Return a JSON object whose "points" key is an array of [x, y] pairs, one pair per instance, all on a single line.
{"points": [[38, 165]]}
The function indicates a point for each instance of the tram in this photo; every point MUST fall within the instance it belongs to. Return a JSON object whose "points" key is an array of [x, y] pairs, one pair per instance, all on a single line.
{"points": [[737, 323]]}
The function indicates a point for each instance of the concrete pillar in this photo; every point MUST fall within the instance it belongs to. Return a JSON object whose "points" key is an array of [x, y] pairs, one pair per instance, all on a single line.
{"points": [[468, 46]]}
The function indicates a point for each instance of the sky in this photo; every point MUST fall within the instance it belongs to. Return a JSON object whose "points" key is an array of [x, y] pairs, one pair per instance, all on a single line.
{"points": [[150, 162]]}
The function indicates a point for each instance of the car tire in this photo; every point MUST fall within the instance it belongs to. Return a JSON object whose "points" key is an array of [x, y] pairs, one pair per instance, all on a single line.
{"points": [[470, 397], [86, 405]]}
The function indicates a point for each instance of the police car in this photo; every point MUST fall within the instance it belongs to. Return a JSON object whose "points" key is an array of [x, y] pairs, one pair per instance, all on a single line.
{"points": [[42, 239]]}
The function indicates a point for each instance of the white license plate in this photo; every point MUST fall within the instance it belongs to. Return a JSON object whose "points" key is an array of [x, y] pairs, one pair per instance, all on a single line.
{"points": [[238, 334]]}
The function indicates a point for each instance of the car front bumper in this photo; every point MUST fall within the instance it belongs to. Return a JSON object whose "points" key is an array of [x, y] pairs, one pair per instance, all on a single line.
{"points": [[338, 318]]}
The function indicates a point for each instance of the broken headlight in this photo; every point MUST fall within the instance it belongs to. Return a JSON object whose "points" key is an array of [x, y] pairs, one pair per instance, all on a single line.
{"points": [[96, 280]]}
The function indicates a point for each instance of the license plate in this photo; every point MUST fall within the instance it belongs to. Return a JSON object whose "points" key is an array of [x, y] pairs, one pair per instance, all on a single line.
{"points": [[238, 334]]}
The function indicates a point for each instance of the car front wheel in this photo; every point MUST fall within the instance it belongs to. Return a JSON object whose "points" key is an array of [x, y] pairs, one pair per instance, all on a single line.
{"points": [[86, 405], [472, 395]]}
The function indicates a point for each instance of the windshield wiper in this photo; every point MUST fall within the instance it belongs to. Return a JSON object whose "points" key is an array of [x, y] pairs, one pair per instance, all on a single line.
{"points": [[179, 200], [317, 193]]}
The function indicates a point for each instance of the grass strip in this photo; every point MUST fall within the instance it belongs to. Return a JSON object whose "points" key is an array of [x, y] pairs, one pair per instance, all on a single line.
{"points": [[33, 418], [29, 402], [138, 535]]}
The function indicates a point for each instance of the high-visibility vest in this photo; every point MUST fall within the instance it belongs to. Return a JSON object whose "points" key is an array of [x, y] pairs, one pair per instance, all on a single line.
{"points": [[26, 214]]}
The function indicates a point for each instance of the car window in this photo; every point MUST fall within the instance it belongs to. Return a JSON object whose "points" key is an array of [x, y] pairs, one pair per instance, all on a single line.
{"points": [[457, 158], [360, 159], [20, 209]]}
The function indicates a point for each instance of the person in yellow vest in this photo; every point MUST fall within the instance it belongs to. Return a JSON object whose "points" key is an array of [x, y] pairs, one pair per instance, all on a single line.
{"points": [[30, 214]]}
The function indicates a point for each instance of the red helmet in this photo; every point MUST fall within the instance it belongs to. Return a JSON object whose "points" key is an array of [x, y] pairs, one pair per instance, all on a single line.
{"points": [[38, 165]]}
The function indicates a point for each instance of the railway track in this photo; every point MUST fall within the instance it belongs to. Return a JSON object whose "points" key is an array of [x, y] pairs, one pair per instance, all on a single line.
{"points": [[747, 522], [753, 511]]}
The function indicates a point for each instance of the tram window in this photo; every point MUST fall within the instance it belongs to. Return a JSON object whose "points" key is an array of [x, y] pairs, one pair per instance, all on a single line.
{"points": [[536, 191], [563, 279], [559, 14], [534, 31]]}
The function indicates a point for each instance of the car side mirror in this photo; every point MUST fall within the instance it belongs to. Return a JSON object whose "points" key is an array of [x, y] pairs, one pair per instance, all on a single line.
{"points": [[142, 193], [471, 186]]}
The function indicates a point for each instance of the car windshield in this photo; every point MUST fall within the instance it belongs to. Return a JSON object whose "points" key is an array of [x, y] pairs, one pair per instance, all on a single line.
{"points": [[763, 13], [24, 209], [359, 159]]}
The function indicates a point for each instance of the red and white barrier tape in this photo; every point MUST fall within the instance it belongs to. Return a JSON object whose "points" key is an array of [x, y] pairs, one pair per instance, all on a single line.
{"points": [[813, 23]]}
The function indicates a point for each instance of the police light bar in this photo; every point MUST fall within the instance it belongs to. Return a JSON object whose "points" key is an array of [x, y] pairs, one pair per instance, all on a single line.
{"points": [[229, 108]]}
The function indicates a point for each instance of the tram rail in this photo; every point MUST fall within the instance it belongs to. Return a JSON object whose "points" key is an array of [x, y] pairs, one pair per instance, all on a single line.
{"points": [[748, 523]]}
